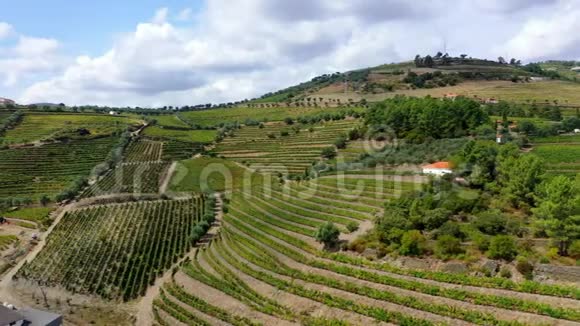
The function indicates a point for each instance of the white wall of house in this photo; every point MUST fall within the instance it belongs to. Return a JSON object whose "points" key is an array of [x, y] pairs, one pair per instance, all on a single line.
{"points": [[436, 171]]}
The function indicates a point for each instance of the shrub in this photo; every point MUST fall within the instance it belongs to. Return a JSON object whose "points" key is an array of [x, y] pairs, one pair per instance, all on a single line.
{"points": [[261, 125], [525, 267], [491, 222], [271, 135], [574, 249], [328, 152], [447, 246], [327, 234], [413, 243], [450, 228], [505, 272], [502, 247], [288, 121], [284, 133], [340, 142], [352, 226], [435, 218]]}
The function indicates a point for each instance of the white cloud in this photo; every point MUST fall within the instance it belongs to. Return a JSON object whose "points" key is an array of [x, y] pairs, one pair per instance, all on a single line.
{"points": [[241, 49], [29, 56], [554, 34], [5, 30], [185, 14]]}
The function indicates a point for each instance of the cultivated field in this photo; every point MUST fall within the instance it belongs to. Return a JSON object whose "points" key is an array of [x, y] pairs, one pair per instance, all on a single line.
{"points": [[45, 126], [47, 170], [281, 148], [266, 268], [217, 116], [560, 153], [199, 136], [115, 251]]}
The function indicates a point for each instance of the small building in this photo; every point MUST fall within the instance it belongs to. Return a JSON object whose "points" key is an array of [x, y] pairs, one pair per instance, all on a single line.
{"points": [[577, 69], [500, 139], [450, 96], [28, 317], [437, 168], [113, 113], [536, 79], [491, 100], [577, 131]]}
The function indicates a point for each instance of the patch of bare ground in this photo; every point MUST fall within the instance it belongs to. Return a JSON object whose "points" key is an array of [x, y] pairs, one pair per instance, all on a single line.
{"points": [[401, 178]]}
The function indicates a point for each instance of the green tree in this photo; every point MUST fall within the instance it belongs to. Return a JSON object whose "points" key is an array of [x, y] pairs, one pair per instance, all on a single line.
{"points": [[447, 246], [518, 178], [413, 243], [327, 234], [328, 152], [558, 210], [502, 247]]}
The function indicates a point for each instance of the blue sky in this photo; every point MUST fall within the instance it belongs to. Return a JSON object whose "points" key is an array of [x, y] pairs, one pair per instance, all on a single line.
{"points": [[84, 27], [172, 52]]}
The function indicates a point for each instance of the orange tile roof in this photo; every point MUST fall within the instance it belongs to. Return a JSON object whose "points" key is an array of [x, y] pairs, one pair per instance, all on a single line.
{"points": [[438, 165]]}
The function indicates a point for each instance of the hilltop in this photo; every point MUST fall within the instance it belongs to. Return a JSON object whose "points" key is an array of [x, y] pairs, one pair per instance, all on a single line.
{"points": [[439, 76]]}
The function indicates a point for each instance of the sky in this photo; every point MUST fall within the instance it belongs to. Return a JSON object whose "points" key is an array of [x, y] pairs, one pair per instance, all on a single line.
{"points": [[151, 53]]}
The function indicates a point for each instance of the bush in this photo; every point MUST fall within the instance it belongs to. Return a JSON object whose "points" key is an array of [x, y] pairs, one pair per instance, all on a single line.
{"points": [[328, 152], [574, 249], [525, 267], [502, 247], [505, 272], [284, 133], [327, 234], [448, 246], [340, 142], [435, 218], [491, 222], [452, 229], [352, 226], [271, 135], [413, 243], [288, 121]]}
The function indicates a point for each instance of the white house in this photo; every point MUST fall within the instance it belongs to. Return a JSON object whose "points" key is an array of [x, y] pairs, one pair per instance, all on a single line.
{"points": [[577, 131], [437, 168], [113, 113]]}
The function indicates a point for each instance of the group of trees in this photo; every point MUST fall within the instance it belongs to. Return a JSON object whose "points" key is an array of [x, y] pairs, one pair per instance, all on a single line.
{"points": [[420, 119], [431, 80], [11, 121], [503, 181]]}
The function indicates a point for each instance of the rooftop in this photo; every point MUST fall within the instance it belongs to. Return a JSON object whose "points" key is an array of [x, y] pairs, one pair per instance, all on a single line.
{"points": [[438, 165]]}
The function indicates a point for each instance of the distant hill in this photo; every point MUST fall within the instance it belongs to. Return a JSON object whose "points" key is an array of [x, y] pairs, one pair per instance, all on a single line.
{"points": [[438, 75], [6, 101]]}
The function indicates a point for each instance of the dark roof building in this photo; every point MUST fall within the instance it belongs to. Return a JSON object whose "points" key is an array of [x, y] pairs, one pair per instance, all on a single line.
{"points": [[28, 317]]}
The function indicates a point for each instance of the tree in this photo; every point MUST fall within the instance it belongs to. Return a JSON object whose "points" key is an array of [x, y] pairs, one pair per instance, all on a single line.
{"points": [[44, 200], [512, 61], [463, 56], [501, 60], [558, 210], [328, 152], [502, 247], [327, 234], [428, 61], [447, 246], [413, 243], [518, 178]]}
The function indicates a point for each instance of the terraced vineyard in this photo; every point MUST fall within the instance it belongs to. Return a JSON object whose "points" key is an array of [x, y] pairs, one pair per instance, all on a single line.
{"points": [[266, 268], [143, 150], [269, 149], [241, 114], [116, 251], [47, 170], [560, 153], [43, 126], [130, 178]]}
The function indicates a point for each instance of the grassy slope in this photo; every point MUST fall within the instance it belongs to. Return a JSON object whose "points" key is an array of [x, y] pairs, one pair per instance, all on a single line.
{"points": [[39, 126], [213, 117], [190, 174], [203, 136]]}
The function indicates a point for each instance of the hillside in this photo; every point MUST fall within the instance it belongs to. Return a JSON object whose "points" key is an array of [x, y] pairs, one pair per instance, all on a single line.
{"points": [[483, 79], [308, 206]]}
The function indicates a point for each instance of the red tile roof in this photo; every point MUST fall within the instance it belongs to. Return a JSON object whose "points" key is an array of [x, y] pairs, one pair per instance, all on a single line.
{"points": [[438, 165]]}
